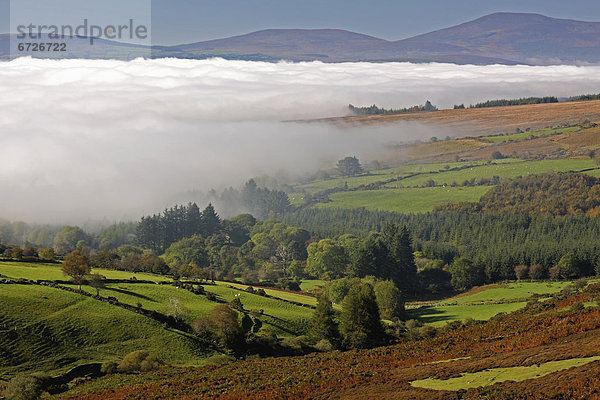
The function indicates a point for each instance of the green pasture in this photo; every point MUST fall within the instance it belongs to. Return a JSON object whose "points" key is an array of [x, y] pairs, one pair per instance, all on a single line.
{"points": [[508, 292], [493, 375], [515, 137], [52, 272], [440, 315], [48, 330], [417, 200], [384, 174], [281, 318], [502, 170], [280, 294], [310, 284]]}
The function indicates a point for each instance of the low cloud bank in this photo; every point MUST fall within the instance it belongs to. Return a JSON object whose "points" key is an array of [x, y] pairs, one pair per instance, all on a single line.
{"points": [[85, 139]]}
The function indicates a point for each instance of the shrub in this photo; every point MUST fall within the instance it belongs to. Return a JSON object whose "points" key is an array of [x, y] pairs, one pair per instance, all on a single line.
{"points": [[537, 272], [23, 387], [211, 296], [428, 331], [577, 306], [227, 327], [521, 271], [236, 304], [247, 323], [109, 367], [202, 328], [219, 359], [324, 345], [452, 325], [139, 360], [580, 284]]}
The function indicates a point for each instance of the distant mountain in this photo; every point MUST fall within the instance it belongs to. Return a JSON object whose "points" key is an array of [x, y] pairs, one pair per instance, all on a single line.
{"points": [[503, 38], [525, 38]]}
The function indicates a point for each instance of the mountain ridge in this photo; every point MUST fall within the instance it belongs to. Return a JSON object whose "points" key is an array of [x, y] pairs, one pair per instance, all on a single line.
{"points": [[498, 38]]}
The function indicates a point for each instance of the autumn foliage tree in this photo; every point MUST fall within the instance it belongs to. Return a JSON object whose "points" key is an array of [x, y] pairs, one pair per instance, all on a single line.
{"points": [[76, 266]]}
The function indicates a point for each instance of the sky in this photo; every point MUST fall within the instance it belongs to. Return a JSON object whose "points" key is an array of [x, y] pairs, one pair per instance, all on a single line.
{"points": [[186, 21]]}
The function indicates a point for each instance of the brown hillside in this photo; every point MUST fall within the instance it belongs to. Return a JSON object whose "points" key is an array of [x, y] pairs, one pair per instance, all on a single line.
{"points": [[542, 332], [485, 121]]}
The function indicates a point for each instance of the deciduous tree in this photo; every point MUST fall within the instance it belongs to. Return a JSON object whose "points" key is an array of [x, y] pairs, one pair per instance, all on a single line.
{"points": [[76, 266]]}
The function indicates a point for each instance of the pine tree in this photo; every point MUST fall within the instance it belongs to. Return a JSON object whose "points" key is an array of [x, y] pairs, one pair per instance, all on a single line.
{"points": [[360, 322], [211, 223], [323, 324]]}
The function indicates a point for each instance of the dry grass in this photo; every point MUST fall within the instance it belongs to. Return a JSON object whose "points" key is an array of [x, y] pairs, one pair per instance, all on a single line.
{"points": [[479, 121]]}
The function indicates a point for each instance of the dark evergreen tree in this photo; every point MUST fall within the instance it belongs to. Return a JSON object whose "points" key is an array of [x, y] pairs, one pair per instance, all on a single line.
{"points": [[323, 324], [211, 223], [403, 270], [360, 321], [371, 257], [193, 220]]}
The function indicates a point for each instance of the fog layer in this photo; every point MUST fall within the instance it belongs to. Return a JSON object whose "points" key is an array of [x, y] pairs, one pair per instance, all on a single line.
{"points": [[83, 139]]}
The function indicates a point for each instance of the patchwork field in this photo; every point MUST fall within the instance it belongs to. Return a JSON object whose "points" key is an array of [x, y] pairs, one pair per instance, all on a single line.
{"points": [[409, 188], [549, 352], [53, 272], [43, 329], [482, 303], [48, 330]]}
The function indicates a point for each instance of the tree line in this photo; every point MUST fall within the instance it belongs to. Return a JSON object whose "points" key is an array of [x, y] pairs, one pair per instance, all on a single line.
{"points": [[374, 110], [511, 102]]}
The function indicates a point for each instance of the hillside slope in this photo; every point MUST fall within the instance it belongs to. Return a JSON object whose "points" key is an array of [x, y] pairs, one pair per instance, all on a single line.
{"points": [[525, 38], [505, 38], [542, 332]]}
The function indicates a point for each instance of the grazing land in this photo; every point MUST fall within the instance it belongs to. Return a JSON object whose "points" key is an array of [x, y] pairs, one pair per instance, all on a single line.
{"points": [[552, 342], [47, 330], [404, 200], [482, 303], [53, 272], [486, 121]]}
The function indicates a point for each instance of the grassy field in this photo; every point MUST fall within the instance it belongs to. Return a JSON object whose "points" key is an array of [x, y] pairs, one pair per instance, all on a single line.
{"points": [[482, 303], [416, 200], [384, 175], [280, 294], [48, 330], [310, 284], [440, 315], [526, 135], [404, 195], [502, 170], [281, 318], [491, 376], [507, 292], [483, 121], [52, 272]]}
